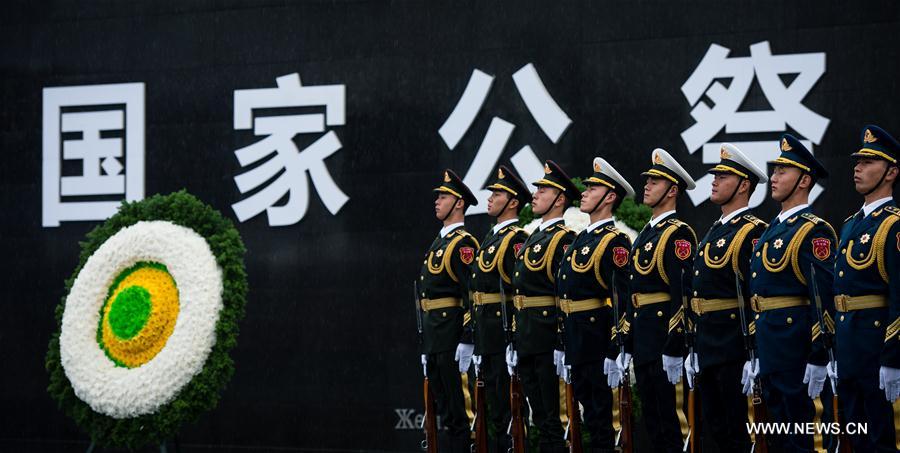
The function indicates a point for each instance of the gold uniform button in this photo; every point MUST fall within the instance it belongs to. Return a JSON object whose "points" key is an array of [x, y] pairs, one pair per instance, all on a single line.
{"points": [[564, 296], [756, 317], [843, 251], [790, 320], [594, 319], [754, 275], [631, 277], [564, 276], [877, 323], [444, 314], [517, 273], [568, 258], [423, 294], [473, 275], [757, 254], [659, 313], [517, 291], [498, 313], [841, 274], [695, 293], [544, 312], [842, 317], [701, 253], [421, 277], [733, 316], [696, 272]]}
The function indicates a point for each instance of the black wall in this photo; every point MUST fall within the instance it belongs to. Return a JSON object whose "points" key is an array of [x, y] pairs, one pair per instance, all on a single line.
{"points": [[327, 350]]}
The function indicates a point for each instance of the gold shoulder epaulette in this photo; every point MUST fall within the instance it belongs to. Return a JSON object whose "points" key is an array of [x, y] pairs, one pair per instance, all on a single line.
{"points": [[811, 217], [893, 210], [755, 220]]}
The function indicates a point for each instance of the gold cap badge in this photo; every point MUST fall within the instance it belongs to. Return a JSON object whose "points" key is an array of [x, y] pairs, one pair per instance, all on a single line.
{"points": [[657, 159], [446, 176], [724, 154], [785, 146], [500, 174], [869, 138], [597, 167], [547, 169]]}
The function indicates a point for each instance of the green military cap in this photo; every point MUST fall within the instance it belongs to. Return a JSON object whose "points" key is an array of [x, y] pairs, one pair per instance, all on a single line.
{"points": [[507, 181], [555, 177], [453, 185]]}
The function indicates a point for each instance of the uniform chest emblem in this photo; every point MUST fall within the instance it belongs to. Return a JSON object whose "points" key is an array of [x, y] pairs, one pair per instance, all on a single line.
{"points": [[648, 246], [518, 247], [466, 254], [491, 249], [439, 253], [821, 248], [864, 238], [682, 249], [720, 243], [585, 250], [620, 256], [778, 243], [536, 248]]}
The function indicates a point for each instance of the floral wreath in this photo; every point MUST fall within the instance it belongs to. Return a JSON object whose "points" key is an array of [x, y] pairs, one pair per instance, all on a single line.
{"points": [[149, 317]]}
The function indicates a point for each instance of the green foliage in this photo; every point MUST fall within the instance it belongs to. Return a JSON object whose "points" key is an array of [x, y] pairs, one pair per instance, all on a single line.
{"points": [[629, 212], [202, 392]]}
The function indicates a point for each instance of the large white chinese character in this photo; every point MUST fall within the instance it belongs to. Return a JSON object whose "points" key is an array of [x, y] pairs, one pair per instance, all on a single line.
{"points": [[549, 116], [90, 111], [280, 131], [786, 101]]}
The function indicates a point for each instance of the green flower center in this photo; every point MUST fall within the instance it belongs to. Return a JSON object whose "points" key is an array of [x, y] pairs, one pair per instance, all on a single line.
{"points": [[129, 312]]}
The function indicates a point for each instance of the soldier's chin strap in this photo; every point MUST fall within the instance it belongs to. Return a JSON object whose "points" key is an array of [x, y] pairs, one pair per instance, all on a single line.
{"points": [[877, 185], [450, 211], [600, 201], [558, 193], [796, 184], [738, 187], [509, 199], [663, 196]]}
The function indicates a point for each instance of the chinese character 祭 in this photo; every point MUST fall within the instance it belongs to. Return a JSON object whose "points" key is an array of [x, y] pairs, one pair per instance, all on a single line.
{"points": [[280, 131]]}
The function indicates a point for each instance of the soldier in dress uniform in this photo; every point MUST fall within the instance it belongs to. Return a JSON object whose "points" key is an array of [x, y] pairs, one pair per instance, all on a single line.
{"points": [[662, 253], [792, 354], [719, 356], [536, 318], [867, 297], [584, 288], [495, 261], [444, 292]]}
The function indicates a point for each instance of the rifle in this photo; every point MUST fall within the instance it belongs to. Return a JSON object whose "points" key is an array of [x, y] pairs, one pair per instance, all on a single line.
{"points": [[479, 424], [843, 442], [516, 428], [626, 434], [429, 421], [691, 444], [760, 414], [573, 429]]}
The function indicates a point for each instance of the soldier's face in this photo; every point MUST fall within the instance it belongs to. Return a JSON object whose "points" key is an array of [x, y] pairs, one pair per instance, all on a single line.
{"points": [[543, 198], [723, 186], [591, 196], [497, 201], [654, 189], [783, 180], [867, 173], [443, 204]]}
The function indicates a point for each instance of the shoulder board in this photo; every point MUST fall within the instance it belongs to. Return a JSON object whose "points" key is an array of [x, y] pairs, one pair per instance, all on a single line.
{"points": [[510, 230], [893, 210], [755, 220], [680, 224], [559, 226], [811, 217]]}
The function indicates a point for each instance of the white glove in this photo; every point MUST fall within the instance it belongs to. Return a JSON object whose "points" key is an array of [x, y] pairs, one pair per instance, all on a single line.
{"points": [[691, 368], [815, 377], [425, 365], [889, 381], [512, 359], [476, 359], [559, 359], [566, 373], [464, 356], [612, 372], [672, 366], [623, 361], [751, 370]]}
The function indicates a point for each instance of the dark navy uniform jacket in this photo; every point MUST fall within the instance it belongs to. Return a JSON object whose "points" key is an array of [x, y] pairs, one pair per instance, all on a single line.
{"points": [[495, 260], [586, 272], [445, 273], [658, 257], [789, 338], [535, 275], [724, 251], [869, 264]]}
